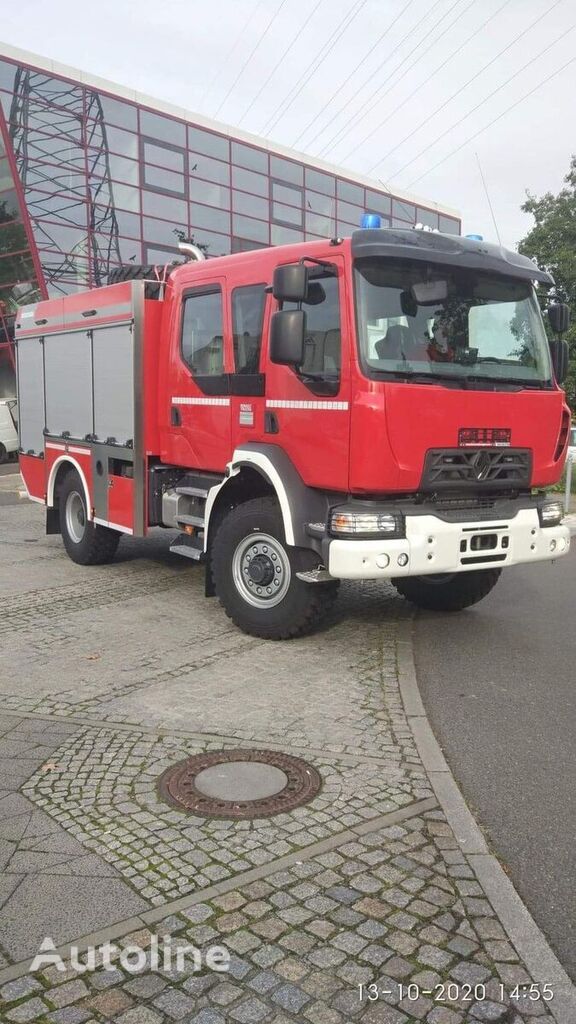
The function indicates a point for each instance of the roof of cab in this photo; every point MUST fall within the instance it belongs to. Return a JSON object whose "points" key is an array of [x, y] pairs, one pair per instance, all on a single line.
{"points": [[452, 250]]}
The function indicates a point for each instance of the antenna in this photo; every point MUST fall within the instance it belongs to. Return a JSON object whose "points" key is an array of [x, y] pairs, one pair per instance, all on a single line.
{"points": [[488, 198]]}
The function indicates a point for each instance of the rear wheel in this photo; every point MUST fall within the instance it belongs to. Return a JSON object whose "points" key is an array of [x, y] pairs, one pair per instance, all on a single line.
{"points": [[3, 454], [86, 543], [447, 592], [254, 573]]}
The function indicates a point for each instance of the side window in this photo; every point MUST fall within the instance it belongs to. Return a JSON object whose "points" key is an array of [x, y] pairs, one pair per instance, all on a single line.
{"points": [[247, 319], [320, 369], [203, 334]]}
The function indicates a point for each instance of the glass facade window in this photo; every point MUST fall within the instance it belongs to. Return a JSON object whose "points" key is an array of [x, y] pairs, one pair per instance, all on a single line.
{"points": [[403, 211], [247, 227], [350, 193], [248, 181], [170, 157], [449, 225], [205, 168], [208, 217], [208, 143], [89, 181], [209, 194], [121, 142], [320, 182], [159, 127], [286, 214], [428, 217], [280, 235], [286, 170], [123, 115], [247, 156], [377, 203]]}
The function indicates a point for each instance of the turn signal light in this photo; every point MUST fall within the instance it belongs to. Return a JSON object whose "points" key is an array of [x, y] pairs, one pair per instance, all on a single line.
{"points": [[551, 514]]}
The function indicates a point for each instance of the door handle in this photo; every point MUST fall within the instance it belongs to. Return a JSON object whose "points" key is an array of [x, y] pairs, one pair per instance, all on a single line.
{"points": [[175, 417], [271, 425]]}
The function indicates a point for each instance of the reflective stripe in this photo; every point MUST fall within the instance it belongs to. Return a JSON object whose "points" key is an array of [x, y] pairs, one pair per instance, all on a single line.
{"points": [[200, 401], [280, 403], [112, 526], [65, 448]]}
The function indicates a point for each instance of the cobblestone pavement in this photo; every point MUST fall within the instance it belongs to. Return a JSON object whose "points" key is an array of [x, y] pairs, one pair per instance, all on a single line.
{"points": [[111, 674]]}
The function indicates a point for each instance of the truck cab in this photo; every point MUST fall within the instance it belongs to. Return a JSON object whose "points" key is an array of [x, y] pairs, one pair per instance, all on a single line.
{"points": [[385, 406]]}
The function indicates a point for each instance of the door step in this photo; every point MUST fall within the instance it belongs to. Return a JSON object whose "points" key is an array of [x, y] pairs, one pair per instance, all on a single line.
{"points": [[188, 520], [193, 492], [189, 547]]}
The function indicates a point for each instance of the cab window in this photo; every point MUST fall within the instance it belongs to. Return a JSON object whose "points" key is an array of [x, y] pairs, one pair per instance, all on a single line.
{"points": [[247, 319], [320, 368], [203, 333]]}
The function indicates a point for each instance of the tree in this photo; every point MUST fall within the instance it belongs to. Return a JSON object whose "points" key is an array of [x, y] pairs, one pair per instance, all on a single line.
{"points": [[552, 244]]}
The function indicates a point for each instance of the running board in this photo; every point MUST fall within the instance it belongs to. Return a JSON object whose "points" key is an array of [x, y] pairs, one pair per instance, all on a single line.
{"points": [[189, 547]]}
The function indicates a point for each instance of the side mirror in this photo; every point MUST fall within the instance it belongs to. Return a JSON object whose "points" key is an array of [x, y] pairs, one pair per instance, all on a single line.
{"points": [[559, 317], [287, 330], [290, 283], [560, 358]]}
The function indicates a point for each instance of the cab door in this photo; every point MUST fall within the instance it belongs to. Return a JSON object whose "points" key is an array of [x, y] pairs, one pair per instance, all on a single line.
{"points": [[308, 407], [248, 303], [199, 394]]}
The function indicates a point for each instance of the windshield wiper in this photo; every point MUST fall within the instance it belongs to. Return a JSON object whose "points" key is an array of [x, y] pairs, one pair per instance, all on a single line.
{"points": [[538, 385], [424, 378]]}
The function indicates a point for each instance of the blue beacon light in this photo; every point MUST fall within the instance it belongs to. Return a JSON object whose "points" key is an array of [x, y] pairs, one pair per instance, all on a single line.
{"points": [[370, 220], [475, 238]]}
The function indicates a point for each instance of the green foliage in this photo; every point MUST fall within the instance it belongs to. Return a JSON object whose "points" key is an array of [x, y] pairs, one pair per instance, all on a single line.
{"points": [[552, 243]]}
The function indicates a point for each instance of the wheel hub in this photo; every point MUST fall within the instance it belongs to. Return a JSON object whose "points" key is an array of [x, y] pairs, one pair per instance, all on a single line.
{"points": [[75, 516], [261, 570]]}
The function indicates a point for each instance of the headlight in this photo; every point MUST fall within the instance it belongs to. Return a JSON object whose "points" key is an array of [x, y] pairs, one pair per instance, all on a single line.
{"points": [[366, 524], [551, 514]]}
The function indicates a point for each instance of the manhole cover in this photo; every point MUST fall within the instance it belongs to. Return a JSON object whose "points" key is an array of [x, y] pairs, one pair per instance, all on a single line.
{"points": [[239, 784]]}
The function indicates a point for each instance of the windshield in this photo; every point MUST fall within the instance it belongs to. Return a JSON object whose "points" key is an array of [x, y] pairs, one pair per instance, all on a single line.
{"points": [[419, 319]]}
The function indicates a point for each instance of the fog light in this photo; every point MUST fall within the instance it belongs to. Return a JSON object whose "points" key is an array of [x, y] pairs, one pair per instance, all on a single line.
{"points": [[403, 559]]}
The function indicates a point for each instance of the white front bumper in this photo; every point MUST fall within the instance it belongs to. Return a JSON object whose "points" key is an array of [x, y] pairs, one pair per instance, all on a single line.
{"points": [[435, 546]]}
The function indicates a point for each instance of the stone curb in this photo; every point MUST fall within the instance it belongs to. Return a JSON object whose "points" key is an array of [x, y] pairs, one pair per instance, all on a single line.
{"points": [[514, 916]]}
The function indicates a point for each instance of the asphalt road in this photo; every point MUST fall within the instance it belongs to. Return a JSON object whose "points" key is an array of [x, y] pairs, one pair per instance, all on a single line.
{"points": [[498, 683], [7, 468]]}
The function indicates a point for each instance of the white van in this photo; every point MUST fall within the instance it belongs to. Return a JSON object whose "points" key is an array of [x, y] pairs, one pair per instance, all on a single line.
{"points": [[8, 428]]}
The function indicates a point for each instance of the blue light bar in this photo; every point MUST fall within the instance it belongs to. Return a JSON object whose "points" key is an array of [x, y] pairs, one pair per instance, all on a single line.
{"points": [[370, 220], [475, 238]]}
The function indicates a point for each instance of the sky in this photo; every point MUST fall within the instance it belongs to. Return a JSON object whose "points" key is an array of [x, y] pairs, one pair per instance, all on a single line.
{"points": [[392, 89]]}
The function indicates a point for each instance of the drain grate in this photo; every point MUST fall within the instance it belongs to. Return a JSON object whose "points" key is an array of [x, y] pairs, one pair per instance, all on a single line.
{"points": [[239, 784]]}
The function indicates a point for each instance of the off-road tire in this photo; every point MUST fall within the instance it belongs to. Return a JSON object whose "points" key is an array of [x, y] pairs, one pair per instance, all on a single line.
{"points": [[448, 593], [303, 606], [98, 543]]}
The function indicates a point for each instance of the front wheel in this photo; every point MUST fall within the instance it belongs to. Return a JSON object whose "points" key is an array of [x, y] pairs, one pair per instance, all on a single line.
{"points": [[86, 543], [447, 592], [254, 573]]}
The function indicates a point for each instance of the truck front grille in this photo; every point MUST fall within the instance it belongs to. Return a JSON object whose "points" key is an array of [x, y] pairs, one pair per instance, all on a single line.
{"points": [[486, 468]]}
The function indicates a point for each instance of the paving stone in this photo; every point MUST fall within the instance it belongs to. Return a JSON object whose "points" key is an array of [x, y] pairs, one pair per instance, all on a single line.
{"points": [[250, 1011], [140, 1015], [29, 1010], [19, 988], [174, 1004]]}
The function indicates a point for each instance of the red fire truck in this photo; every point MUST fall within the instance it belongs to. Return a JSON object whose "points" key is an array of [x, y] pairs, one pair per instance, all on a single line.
{"points": [[385, 406]]}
